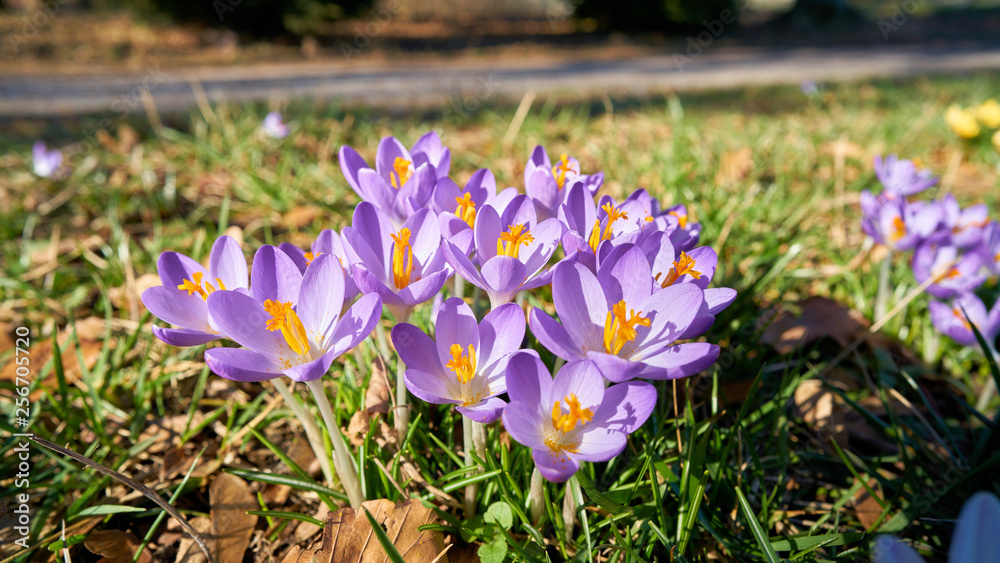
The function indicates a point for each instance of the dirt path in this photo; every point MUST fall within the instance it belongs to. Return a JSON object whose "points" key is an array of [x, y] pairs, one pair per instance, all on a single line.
{"points": [[465, 85]]}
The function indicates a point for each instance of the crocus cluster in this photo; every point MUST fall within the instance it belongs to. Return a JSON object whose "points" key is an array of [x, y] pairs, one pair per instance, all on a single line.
{"points": [[955, 250], [629, 283]]}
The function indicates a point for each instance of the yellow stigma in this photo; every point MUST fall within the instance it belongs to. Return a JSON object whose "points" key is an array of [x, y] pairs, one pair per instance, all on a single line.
{"points": [[684, 265], [401, 172], [402, 258], [619, 327], [196, 286], [682, 218], [561, 168], [509, 243], [566, 422], [284, 318], [466, 209], [464, 366], [310, 257], [898, 229], [596, 236]]}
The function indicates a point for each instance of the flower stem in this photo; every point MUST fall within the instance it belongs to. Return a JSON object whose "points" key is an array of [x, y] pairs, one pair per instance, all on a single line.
{"points": [[569, 507], [459, 286], [884, 291], [309, 425], [991, 384], [342, 458], [470, 490], [536, 497]]}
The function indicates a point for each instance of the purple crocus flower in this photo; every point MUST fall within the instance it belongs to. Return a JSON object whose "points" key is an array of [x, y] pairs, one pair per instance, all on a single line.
{"points": [[975, 538], [512, 248], [400, 184], [990, 248], [954, 272], [430, 150], [547, 185], [616, 320], [589, 229], [273, 126], [571, 418], [181, 300], [45, 162], [405, 266], [292, 325], [328, 242], [465, 366], [902, 178], [457, 207], [963, 226], [896, 223], [686, 234], [952, 322]]}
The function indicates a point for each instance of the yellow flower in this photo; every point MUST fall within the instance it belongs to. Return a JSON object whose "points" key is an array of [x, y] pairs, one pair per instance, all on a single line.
{"points": [[961, 121], [996, 140], [988, 113]]}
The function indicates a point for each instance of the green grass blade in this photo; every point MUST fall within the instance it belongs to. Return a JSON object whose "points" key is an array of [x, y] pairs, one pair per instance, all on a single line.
{"points": [[758, 532]]}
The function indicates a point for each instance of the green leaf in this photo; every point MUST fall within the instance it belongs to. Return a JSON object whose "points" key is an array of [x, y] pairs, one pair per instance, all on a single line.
{"points": [[501, 514], [758, 532], [106, 509], [600, 498], [294, 482], [390, 549], [789, 544], [70, 542], [493, 552]]}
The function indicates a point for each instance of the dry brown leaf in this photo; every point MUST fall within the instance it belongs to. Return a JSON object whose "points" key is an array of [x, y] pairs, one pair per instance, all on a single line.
{"points": [[90, 332], [116, 546], [231, 498], [377, 395], [301, 216], [734, 165], [821, 317], [187, 550], [119, 295], [167, 431], [866, 508], [348, 537]]}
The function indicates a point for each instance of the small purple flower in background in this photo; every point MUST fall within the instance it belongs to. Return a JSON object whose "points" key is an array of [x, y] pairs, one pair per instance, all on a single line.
{"points": [[809, 87], [547, 184], [571, 418], [975, 539], [466, 364], [952, 321], [400, 184], [954, 272], [616, 320], [405, 266], [686, 234], [511, 248], [293, 324], [902, 178], [273, 126], [963, 226], [990, 249], [181, 300], [45, 162], [430, 150], [897, 224], [328, 242]]}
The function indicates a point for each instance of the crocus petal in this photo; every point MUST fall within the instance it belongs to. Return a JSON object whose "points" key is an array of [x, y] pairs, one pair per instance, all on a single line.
{"points": [[177, 308], [975, 537], [244, 320], [555, 465], [424, 289], [627, 276], [227, 263], [599, 444], [350, 164], [296, 254], [500, 333], [311, 371], [527, 378], [524, 422], [536, 255], [614, 368], [356, 324], [626, 406], [553, 336], [580, 303], [680, 360], [174, 268], [718, 298], [368, 282], [890, 550], [183, 337], [321, 298], [670, 311], [462, 265], [433, 388], [503, 275], [274, 276], [487, 231], [486, 411], [580, 378], [238, 364], [456, 324]]}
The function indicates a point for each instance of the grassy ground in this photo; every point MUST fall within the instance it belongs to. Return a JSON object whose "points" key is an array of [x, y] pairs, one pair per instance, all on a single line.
{"points": [[825, 455]]}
